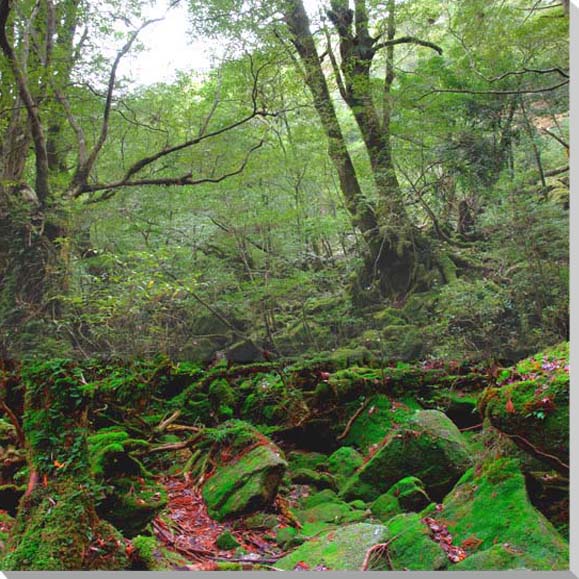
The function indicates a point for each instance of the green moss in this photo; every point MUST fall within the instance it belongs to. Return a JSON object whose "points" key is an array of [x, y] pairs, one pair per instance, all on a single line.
{"points": [[430, 447], [325, 496], [109, 453], [57, 529], [411, 547], [222, 397], [287, 537], [535, 408], [150, 555], [385, 507], [493, 506], [310, 460], [496, 558], [131, 504], [343, 463], [320, 480], [226, 541], [245, 486], [381, 415], [340, 550]]}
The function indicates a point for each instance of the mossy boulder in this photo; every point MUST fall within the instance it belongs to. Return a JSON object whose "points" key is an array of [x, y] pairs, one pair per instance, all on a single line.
{"points": [[492, 505], [429, 447], [320, 480], [411, 546], [340, 550], [343, 463], [226, 541], [532, 406], [109, 451], [407, 495], [247, 485], [311, 460], [381, 415], [410, 494]]}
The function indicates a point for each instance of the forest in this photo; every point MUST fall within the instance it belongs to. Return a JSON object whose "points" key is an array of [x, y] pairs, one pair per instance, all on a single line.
{"points": [[303, 308]]}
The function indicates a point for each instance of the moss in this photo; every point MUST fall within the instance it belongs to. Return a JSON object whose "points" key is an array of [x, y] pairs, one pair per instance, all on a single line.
{"points": [[411, 546], [309, 460], [325, 496], [496, 558], [226, 541], [245, 486], [385, 507], [381, 415], [57, 529], [430, 447], [319, 480], [131, 504], [109, 453], [222, 397], [492, 505], [259, 521], [343, 463], [340, 550], [534, 407], [288, 537], [150, 555]]}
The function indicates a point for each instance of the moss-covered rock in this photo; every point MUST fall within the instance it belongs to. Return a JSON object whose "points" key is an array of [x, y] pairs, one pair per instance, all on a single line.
{"points": [[343, 463], [429, 447], [340, 550], [311, 460], [385, 507], [532, 406], [226, 541], [320, 480], [492, 505], [246, 485], [379, 417], [411, 546]]}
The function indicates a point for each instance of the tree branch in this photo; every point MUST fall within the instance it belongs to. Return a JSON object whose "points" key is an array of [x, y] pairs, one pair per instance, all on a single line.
{"points": [[84, 169], [494, 92], [185, 179], [408, 40]]}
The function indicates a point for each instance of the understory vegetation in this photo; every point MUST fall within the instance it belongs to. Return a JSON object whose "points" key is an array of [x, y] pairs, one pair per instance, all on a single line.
{"points": [[304, 308]]}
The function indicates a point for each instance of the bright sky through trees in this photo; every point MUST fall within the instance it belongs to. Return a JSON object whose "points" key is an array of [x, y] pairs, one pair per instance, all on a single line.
{"points": [[169, 48]]}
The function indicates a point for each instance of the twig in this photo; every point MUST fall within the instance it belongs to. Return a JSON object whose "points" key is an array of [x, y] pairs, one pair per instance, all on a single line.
{"points": [[353, 419]]}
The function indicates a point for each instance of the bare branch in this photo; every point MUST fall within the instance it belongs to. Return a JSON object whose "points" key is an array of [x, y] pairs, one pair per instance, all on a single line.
{"points": [[408, 40], [495, 92], [84, 169], [182, 180]]}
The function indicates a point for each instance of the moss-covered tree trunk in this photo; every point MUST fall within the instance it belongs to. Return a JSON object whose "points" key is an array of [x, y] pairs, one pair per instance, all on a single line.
{"points": [[57, 525]]}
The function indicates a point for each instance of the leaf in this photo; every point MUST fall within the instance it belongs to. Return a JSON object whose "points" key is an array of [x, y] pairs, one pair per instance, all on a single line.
{"points": [[510, 407]]}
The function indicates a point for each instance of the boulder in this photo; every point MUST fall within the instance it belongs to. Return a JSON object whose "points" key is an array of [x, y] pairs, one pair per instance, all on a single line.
{"points": [[429, 447], [491, 505], [247, 485], [532, 406], [340, 550], [407, 495], [343, 463]]}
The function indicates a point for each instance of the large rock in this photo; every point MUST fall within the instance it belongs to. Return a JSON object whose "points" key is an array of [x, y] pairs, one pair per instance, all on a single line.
{"points": [[429, 447], [489, 516], [491, 505], [250, 484], [341, 550], [532, 406]]}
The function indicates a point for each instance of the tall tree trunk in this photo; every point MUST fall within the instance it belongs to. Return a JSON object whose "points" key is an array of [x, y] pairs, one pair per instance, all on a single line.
{"points": [[391, 258]]}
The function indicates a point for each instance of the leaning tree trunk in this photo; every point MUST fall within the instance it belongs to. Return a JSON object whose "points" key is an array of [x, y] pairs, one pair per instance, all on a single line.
{"points": [[57, 527]]}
